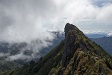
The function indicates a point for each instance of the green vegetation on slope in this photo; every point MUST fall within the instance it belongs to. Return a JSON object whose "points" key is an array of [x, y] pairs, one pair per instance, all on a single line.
{"points": [[88, 58], [8, 66]]}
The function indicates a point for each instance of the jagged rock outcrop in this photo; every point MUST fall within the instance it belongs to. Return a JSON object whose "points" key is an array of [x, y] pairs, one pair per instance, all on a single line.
{"points": [[69, 43]]}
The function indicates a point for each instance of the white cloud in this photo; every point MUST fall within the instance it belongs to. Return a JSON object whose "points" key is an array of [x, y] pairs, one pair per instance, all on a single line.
{"points": [[23, 20], [105, 15], [27, 20], [18, 56], [4, 54], [110, 33]]}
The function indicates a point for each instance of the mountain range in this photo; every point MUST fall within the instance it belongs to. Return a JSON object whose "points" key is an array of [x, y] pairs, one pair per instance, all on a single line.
{"points": [[75, 55], [7, 49], [105, 43]]}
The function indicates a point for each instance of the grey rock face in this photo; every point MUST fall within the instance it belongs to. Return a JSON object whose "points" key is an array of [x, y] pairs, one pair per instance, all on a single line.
{"points": [[69, 43], [67, 28]]}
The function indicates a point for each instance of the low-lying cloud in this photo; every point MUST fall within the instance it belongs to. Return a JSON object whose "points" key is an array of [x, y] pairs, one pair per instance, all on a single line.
{"points": [[110, 34]]}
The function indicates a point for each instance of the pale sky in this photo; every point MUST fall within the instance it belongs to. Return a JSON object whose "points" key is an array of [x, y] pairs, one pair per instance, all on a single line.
{"points": [[25, 20]]}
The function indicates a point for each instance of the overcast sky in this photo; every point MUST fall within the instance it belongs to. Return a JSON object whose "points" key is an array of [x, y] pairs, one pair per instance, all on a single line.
{"points": [[24, 20]]}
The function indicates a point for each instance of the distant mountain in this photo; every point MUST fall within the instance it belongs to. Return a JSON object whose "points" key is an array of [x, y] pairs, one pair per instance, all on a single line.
{"points": [[8, 50], [4, 64], [105, 42], [11, 49], [8, 65], [75, 55], [96, 35]]}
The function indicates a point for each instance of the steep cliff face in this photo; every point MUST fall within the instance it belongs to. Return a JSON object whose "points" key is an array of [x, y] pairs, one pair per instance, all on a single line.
{"points": [[69, 48], [75, 55]]}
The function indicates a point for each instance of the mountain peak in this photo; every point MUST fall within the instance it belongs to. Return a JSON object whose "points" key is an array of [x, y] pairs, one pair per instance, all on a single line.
{"points": [[82, 56], [75, 55], [67, 28]]}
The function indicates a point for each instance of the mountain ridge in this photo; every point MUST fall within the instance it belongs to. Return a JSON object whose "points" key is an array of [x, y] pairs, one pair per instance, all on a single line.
{"points": [[85, 58]]}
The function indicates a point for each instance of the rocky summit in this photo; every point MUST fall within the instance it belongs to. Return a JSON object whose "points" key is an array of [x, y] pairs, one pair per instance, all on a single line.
{"points": [[75, 55]]}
